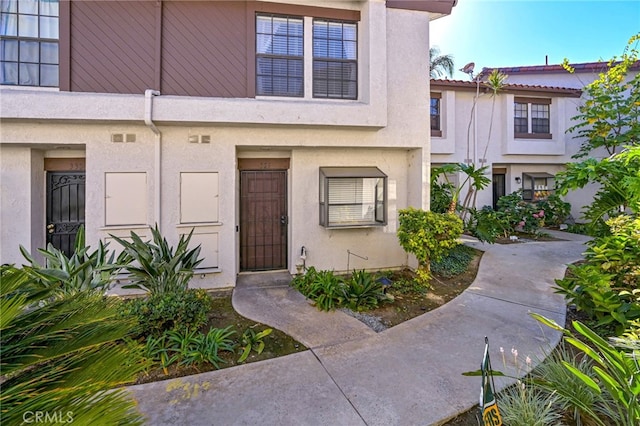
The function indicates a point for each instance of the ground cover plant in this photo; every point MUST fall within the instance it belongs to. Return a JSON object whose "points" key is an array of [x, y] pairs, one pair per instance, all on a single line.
{"points": [[402, 296], [359, 291], [173, 323]]}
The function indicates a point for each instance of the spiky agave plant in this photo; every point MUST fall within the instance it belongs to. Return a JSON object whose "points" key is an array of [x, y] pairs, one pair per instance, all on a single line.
{"points": [[62, 356], [86, 270], [158, 267]]}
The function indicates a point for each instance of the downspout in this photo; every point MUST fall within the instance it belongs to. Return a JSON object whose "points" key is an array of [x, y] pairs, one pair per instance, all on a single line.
{"points": [[157, 157]]}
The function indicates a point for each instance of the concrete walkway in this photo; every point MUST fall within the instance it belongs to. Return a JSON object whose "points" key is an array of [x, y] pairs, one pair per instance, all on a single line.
{"points": [[407, 375]]}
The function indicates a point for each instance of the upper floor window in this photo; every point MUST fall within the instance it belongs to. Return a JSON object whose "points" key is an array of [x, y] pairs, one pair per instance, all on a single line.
{"points": [[335, 59], [279, 55], [531, 118], [29, 42], [435, 101]]}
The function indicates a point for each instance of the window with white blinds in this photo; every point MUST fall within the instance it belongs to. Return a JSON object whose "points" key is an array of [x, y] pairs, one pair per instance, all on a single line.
{"points": [[352, 196]]}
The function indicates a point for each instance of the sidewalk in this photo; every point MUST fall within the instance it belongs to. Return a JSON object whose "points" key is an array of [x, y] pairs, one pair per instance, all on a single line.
{"points": [[407, 375]]}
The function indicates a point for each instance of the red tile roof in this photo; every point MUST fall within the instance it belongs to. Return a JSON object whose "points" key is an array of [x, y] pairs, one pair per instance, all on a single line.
{"points": [[510, 87], [538, 69]]}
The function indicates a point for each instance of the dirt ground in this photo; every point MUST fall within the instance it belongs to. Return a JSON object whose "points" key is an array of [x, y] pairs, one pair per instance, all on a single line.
{"points": [[411, 301]]}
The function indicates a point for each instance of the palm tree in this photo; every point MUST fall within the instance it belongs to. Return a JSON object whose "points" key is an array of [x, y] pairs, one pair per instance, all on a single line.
{"points": [[440, 65], [63, 356]]}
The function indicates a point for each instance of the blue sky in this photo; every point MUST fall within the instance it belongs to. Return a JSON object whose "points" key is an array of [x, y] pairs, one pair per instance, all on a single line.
{"points": [[501, 33]]}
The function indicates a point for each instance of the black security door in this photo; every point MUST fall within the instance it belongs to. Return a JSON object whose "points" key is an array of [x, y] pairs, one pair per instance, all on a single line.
{"points": [[498, 188], [65, 208]]}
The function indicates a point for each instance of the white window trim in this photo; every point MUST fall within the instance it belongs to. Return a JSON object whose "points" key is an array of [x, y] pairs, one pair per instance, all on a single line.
{"points": [[328, 173], [307, 31]]}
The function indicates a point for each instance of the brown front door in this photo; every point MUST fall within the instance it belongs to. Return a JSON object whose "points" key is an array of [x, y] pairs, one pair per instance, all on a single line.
{"points": [[263, 220]]}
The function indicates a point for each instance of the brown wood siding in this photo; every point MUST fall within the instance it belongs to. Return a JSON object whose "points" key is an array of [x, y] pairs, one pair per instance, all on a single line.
{"points": [[204, 47], [180, 47], [112, 46]]}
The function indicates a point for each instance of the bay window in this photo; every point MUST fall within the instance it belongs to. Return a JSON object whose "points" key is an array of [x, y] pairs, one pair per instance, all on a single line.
{"points": [[352, 197]]}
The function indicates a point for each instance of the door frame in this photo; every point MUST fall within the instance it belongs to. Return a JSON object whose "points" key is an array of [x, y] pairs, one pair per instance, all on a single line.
{"points": [[278, 164]]}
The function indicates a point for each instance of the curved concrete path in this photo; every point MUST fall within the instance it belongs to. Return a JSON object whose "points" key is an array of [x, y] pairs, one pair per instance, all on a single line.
{"points": [[407, 375]]}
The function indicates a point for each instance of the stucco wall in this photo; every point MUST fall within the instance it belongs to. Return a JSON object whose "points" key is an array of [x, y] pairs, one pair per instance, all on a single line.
{"points": [[459, 133], [385, 128]]}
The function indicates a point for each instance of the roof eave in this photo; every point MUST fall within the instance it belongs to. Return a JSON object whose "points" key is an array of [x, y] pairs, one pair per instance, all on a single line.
{"points": [[439, 7]]}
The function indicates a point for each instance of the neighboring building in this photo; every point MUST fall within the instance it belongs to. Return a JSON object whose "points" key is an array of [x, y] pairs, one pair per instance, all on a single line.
{"points": [[264, 127], [529, 143]]}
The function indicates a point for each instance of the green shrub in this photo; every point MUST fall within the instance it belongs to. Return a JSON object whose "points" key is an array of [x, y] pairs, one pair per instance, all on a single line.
{"points": [[441, 196], [578, 228], [453, 263], [556, 210], [607, 285], [428, 236], [520, 215], [156, 267], [487, 225], [180, 311]]}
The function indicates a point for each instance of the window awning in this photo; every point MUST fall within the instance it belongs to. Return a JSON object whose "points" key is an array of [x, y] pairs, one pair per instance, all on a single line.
{"points": [[352, 172], [539, 175]]}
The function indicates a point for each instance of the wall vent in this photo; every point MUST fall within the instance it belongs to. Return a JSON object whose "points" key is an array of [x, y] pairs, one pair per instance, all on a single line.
{"points": [[199, 138], [123, 137]]}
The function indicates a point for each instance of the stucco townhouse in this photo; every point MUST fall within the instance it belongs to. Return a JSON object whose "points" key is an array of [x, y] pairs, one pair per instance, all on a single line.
{"points": [[278, 132], [520, 134]]}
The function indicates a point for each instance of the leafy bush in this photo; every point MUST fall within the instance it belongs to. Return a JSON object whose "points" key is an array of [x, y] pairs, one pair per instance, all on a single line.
{"points": [[86, 271], [555, 208], [63, 354], [578, 228], [157, 268], [487, 225], [606, 286], [428, 236], [453, 263], [520, 215], [441, 195], [179, 311]]}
